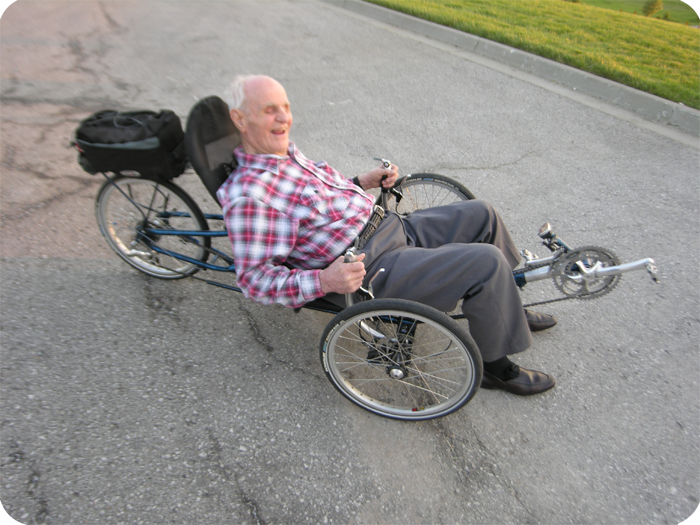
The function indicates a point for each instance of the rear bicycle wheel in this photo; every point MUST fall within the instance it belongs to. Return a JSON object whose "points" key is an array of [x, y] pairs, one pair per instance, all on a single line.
{"points": [[126, 207], [400, 359], [428, 190]]}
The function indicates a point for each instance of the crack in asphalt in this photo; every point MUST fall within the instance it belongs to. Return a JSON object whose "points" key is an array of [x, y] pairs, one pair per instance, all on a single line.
{"points": [[257, 335], [33, 487], [484, 168], [490, 466], [9, 162], [80, 102], [82, 54], [113, 24], [262, 341], [66, 114], [32, 490], [63, 117], [227, 475], [442, 430], [31, 208], [6, 91]]}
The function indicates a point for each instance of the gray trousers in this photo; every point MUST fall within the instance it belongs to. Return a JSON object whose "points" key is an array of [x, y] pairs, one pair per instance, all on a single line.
{"points": [[442, 255]]}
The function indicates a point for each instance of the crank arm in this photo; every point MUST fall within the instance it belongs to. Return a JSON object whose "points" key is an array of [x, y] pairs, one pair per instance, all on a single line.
{"points": [[599, 271]]}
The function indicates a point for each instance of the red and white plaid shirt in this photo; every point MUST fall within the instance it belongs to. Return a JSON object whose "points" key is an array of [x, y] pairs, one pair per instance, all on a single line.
{"points": [[283, 212]]}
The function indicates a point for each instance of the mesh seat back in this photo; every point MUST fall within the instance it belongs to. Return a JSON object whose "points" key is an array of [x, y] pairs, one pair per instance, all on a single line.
{"points": [[210, 139]]}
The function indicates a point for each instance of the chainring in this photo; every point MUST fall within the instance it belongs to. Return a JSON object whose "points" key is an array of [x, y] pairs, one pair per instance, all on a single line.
{"points": [[571, 282]]}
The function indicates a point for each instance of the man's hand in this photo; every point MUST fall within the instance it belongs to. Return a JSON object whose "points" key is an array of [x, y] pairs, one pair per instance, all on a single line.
{"points": [[341, 277], [373, 178]]}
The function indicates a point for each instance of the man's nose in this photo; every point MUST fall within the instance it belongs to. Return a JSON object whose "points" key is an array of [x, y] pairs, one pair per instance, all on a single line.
{"points": [[283, 115]]}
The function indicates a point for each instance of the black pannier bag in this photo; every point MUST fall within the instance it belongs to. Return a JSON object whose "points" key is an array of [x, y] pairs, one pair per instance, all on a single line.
{"points": [[146, 142]]}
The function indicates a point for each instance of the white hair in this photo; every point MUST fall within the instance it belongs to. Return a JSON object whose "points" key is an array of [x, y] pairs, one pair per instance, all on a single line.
{"points": [[234, 95]]}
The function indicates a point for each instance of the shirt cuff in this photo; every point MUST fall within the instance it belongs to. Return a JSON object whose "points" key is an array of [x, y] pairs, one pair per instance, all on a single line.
{"points": [[317, 292], [311, 286]]}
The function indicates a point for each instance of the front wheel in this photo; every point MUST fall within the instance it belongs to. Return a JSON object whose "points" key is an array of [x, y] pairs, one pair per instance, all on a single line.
{"points": [[127, 208], [401, 359], [427, 190]]}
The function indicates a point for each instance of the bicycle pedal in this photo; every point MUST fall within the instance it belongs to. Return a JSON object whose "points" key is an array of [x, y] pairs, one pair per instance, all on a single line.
{"points": [[653, 272]]}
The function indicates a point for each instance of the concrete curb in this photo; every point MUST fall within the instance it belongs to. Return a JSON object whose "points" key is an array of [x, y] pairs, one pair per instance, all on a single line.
{"points": [[649, 107]]}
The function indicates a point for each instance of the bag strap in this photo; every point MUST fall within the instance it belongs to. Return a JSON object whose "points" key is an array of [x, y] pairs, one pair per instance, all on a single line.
{"points": [[116, 116]]}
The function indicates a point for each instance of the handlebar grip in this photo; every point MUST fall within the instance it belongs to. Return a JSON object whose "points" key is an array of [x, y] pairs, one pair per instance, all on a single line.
{"points": [[384, 190], [386, 164]]}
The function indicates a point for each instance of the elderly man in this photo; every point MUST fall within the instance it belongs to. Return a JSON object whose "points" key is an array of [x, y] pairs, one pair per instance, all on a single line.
{"points": [[290, 220]]}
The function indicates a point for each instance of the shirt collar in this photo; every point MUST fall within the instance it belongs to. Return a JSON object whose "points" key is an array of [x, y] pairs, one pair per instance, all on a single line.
{"points": [[264, 162]]}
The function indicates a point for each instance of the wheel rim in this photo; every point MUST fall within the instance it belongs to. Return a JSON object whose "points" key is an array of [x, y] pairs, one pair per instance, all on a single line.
{"points": [[142, 204], [425, 193], [438, 371]]}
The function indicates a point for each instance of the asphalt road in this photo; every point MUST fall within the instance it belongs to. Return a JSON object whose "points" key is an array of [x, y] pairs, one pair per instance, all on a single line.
{"points": [[128, 399]]}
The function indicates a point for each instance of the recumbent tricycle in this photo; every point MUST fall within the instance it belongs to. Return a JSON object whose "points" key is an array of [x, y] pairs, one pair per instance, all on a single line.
{"points": [[396, 358]]}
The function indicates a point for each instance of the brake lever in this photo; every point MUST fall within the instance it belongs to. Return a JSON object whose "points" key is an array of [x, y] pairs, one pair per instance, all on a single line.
{"points": [[386, 164], [351, 257]]}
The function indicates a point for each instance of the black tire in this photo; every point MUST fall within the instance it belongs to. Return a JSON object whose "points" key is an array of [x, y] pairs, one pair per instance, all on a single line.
{"points": [[125, 206], [428, 190], [401, 359]]}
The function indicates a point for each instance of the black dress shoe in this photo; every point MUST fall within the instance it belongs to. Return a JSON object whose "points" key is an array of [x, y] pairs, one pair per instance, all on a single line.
{"points": [[527, 383], [538, 322]]}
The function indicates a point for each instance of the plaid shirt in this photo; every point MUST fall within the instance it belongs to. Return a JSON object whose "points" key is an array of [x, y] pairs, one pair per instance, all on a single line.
{"points": [[287, 218]]}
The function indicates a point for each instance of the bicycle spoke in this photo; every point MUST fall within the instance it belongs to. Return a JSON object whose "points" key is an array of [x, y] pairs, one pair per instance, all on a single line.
{"points": [[128, 208]]}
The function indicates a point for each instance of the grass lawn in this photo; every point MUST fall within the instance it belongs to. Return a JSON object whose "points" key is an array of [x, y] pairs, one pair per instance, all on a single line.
{"points": [[677, 10], [648, 54]]}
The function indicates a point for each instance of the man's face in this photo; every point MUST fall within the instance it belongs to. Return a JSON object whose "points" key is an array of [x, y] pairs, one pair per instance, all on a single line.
{"points": [[265, 118]]}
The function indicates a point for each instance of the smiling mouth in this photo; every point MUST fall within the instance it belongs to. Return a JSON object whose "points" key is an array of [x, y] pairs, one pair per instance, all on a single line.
{"points": [[279, 131]]}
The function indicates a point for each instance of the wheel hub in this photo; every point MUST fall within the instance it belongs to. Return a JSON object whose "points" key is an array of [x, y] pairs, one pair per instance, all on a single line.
{"points": [[394, 359], [396, 372]]}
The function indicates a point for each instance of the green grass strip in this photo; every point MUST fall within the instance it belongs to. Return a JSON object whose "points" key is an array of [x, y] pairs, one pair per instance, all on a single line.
{"points": [[652, 55]]}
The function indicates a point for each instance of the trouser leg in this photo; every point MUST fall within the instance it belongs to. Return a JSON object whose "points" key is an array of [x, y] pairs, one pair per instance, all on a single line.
{"points": [[451, 253], [441, 277], [474, 221]]}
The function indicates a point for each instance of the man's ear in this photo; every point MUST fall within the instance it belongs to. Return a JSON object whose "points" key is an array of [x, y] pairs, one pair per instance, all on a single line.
{"points": [[238, 119]]}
